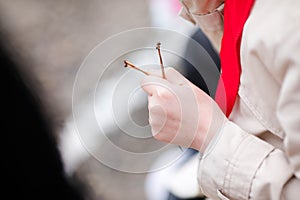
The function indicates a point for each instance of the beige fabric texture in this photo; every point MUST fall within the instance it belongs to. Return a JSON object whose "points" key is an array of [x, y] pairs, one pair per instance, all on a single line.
{"points": [[256, 155]]}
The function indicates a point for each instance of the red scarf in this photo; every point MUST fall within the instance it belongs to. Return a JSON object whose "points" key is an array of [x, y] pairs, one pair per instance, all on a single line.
{"points": [[236, 13]]}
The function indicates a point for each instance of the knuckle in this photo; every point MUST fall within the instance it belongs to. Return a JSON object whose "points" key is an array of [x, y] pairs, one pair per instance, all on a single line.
{"points": [[159, 136], [169, 69], [166, 94], [155, 110]]}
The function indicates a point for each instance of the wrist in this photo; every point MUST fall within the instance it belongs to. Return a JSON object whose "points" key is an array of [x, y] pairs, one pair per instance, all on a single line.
{"points": [[211, 122]]}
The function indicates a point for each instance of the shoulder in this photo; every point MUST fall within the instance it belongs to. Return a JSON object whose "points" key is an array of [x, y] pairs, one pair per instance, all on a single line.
{"points": [[272, 34]]}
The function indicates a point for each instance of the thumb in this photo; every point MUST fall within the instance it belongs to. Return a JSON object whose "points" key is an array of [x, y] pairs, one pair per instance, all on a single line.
{"points": [[173, 76], [153, 85]]}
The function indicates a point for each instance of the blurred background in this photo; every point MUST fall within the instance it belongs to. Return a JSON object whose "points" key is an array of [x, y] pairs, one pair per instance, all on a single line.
{"points": [[48, 40]]}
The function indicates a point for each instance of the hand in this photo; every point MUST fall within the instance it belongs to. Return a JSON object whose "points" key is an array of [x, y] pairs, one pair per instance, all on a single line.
{"points": [[181, 113]]}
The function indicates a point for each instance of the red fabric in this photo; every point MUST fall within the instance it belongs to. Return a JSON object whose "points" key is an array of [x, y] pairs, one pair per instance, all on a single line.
{"points": [[236, 13]]}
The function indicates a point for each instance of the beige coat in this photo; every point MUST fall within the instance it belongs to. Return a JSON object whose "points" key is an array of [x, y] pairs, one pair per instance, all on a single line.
{"points": [[256, 155]]}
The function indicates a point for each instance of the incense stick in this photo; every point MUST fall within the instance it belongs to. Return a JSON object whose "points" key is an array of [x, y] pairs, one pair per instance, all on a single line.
{"points": [[127, 63], [161, 60]]}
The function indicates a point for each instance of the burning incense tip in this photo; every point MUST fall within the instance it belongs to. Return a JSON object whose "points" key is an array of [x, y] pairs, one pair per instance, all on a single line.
{"points": [[158, 45], [125, 63]]}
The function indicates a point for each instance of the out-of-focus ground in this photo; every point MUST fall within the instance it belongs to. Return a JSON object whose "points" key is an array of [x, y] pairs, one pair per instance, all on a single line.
{"points": [[49, 40]]}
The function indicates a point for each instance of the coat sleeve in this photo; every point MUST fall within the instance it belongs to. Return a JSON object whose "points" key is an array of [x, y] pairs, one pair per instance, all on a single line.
{"points": [[238, 165]]}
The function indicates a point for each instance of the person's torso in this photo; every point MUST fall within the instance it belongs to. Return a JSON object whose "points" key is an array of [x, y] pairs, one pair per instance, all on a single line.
{"points": [[260, 81]]}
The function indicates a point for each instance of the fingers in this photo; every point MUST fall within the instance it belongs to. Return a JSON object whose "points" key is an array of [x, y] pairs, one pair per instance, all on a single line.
{"points": [[157, 114], [174, 77], [154, 85], [155, 72]]}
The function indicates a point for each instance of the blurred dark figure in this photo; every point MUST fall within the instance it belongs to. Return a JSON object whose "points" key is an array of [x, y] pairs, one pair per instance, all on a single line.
{"points": [[32, 167], [201, 38], [191, 72]]}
